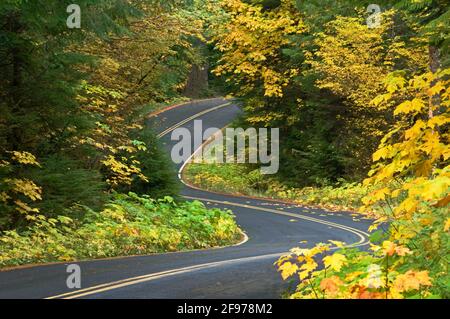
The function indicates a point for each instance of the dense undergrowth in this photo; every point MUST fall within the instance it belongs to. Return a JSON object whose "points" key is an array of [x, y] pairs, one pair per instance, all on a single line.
{"points": [[242, 179], [128, 225]]}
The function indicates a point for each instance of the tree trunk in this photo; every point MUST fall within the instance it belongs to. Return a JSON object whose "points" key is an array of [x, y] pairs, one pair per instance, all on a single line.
{"points": [[197, 81], [434, 65]]}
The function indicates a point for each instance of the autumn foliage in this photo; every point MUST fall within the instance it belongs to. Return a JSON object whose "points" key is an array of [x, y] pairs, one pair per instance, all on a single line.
{"points": [[73, 136], [364, 115], [353, 100], [73, 101]]}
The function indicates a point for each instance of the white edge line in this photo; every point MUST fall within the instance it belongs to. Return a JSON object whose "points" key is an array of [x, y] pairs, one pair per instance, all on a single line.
{"points": [[153, 276], [157, 275]]}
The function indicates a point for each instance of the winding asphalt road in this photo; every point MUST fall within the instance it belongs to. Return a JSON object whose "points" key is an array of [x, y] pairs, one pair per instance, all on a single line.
{"points": [[242, 271]]}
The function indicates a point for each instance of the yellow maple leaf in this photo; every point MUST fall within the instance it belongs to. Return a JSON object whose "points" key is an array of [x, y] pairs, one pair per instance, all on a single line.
{"points": [[388, 247], [412, 280], [335, 261], [307, 268], [287, 269], [331, 285], [25, 158], [413, 106]]}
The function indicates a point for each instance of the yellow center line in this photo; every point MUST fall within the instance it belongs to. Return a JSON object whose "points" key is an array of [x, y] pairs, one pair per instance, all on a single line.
{"points": [[153, 276], [361, 234], [149, 277], [168, 130]]}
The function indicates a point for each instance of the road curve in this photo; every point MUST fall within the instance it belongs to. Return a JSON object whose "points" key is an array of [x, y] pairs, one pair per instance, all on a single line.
{"points": [[240, 271]]}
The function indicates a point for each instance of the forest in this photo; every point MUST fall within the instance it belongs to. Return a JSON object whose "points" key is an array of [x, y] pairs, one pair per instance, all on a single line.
{"points": [[361, 97]]}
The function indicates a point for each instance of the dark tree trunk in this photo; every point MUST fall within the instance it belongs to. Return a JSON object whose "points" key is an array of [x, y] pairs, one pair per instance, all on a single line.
{"points": [[197, 81], [434, 65]]}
